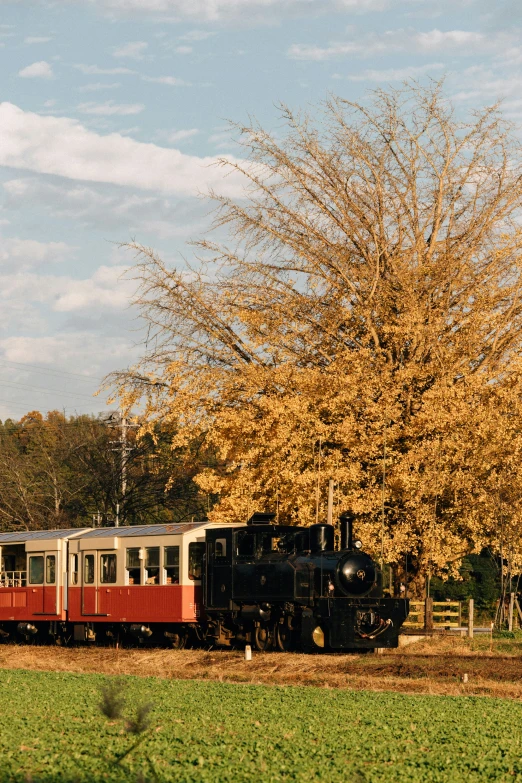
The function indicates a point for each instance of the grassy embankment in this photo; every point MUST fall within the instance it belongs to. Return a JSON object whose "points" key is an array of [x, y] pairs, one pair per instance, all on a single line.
{"points": [[51, 729], [432, 667]]}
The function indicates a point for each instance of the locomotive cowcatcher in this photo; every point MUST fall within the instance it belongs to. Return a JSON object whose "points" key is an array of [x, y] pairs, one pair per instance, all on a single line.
{"points": [[288, 587]]}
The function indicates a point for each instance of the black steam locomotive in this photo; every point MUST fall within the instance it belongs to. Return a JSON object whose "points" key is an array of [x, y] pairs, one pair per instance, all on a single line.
{"points": [[288, 587]]}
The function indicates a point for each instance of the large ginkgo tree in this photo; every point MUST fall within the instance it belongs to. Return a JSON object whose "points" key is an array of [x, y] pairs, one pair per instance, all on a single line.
{"points": [[361, 321]]}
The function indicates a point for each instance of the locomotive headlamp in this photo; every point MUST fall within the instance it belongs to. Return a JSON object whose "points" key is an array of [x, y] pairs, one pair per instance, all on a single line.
{"points": [[357, 544], [318, 636]]}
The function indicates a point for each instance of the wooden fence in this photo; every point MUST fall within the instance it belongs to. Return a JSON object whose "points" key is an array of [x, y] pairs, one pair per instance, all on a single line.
{"points": [[432, 615]]}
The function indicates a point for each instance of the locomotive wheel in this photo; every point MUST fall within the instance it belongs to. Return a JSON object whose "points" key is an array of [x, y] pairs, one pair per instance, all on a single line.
{"points": [[284, 637], [262, 638]]}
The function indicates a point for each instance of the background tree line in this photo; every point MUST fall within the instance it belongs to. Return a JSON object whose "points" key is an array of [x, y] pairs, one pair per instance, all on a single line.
{"points": [[58, 472]]}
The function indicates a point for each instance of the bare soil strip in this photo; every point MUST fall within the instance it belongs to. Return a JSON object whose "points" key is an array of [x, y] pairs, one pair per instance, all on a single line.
{"points": [[435, 667]]}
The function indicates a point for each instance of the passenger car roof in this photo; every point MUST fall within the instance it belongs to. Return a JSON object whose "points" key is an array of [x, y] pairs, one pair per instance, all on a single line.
{"points": [[36, 535], [104, 532], [175, 528]]}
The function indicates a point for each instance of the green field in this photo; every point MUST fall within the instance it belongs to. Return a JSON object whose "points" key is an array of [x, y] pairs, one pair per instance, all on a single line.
{"points": [[51, 729]]}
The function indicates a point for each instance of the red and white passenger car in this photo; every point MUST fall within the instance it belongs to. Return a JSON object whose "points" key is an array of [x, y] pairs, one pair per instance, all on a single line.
{"points": [[96, 583]]}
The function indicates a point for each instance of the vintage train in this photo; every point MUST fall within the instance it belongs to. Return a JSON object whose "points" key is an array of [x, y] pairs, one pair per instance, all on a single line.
{"points": [[260, 583]]}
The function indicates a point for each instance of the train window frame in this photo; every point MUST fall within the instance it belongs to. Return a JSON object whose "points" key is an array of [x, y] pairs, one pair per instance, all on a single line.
{"points": [[171, 571], [243, 536], [220, 548], [50, 569], [194, 548], [88, 571], [269, 543], [74, 568], [108, 568], [30, 572], [152, 571], [133, 570]]}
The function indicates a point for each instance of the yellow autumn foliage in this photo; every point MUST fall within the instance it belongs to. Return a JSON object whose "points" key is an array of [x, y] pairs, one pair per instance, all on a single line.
{"points": [[362, 318]]}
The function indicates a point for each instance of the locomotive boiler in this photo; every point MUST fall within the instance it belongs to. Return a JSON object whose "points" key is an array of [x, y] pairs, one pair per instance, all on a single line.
{"points": [[288, 587]]}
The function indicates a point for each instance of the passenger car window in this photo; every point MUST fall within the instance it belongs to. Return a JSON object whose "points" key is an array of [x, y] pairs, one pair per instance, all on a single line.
{"points": [[50, 569], [74, 569], [152, 565], [36, 570], [133, 566], [171, 564], [107, 569], [88, 570], [196, 552]]}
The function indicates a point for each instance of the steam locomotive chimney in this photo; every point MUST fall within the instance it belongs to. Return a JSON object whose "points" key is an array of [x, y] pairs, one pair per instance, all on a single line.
{"points": [[346, 522]]}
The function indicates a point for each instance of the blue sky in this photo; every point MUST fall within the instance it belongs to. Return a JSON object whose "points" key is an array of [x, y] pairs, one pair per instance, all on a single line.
{"points": [[112, 111]]}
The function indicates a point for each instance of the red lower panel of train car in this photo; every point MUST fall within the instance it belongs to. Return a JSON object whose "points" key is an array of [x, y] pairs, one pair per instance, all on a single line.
{"points": [[140, 604], [30, 603]]}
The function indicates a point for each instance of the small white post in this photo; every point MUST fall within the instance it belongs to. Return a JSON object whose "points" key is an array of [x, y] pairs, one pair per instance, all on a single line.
{"points": [[248, 653], [464, 678], [470, 618]]}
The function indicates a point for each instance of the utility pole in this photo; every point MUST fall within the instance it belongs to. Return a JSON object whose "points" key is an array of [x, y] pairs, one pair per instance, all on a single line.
{"points": [[330, 501], [318, 488], [383, 499], [124, 449]]}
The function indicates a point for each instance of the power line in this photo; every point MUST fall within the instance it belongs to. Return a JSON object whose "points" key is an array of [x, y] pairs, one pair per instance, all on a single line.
{"points": [[27, 406], [51, 371], [45, 390]]}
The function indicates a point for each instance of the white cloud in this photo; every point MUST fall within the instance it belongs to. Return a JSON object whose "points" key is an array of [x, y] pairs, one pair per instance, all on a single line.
{"points": [[27, 253], [106, 289], [134, 50], [69, 347], [258, 11], [180, 135], [109, 210], [333, 50], [461, 42], [171, 81], [221, 140], [97, 86], [94, 70], [109, 108], [480, 84], [395, 74], [451, 39], [37, 39], [197, 35], [63, 147], [183, 50], [39, 70]]}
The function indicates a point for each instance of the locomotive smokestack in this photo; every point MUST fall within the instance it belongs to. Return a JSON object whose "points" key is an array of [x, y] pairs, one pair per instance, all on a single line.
{"points": [[346, 521]]}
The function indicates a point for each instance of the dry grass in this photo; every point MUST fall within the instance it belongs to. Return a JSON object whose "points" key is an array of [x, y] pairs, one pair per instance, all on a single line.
{"points": [[434, 666]]}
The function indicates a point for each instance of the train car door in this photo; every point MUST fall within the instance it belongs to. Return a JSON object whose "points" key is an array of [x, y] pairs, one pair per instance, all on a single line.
{"points": [[89, 582], [35, 581], [107, 577], [50, 590], [220, 570]]}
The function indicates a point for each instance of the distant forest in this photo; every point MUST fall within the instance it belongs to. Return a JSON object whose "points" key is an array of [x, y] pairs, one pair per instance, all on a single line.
{"points": [[58, 472]]}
